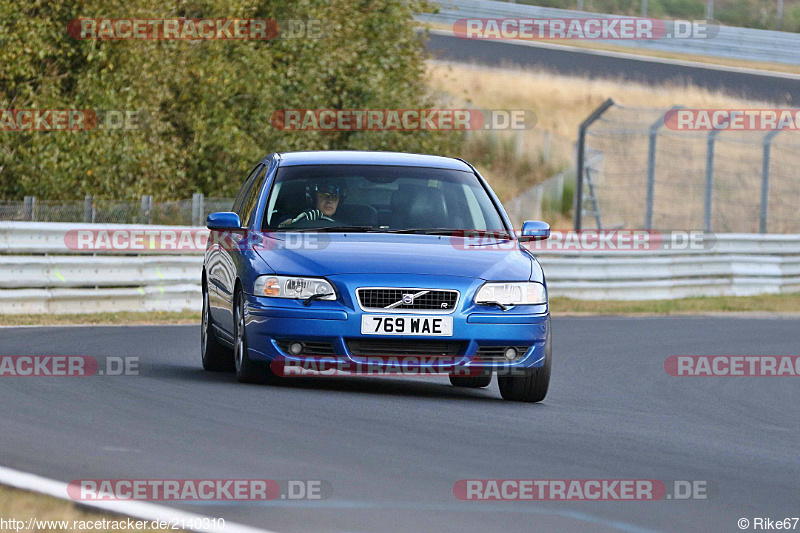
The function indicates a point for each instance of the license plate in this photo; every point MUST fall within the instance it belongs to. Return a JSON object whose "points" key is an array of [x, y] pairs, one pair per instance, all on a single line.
{"points": [[434, 326]]}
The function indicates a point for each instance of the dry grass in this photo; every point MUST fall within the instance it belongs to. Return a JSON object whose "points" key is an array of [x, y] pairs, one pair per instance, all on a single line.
{"points": [[561, 103], [22, 505], [126, 318]]}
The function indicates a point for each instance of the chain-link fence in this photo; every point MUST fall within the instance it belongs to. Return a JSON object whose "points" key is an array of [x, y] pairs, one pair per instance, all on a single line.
{"points": [[144, 211], [639, 173]]}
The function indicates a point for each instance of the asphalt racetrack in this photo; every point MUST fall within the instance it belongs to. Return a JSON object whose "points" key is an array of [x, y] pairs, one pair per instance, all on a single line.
{"points": [[392, 449], [772, 87]]}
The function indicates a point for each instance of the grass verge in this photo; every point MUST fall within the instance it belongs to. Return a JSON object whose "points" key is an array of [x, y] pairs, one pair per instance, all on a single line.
{"points": [[23, 505], [125, 318], [766, 303]]}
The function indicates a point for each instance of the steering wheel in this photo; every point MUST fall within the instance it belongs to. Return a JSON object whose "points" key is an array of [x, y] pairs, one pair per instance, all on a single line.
{"points": [[322, 222]]}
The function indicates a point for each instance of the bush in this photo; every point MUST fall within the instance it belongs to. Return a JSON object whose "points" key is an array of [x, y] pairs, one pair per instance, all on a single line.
{"points": [[208, 104]]}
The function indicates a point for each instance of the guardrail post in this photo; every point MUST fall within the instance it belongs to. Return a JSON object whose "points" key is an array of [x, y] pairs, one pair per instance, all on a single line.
{"points": [[147, 208], [765, 179], [712, 137], [28, 208], [197, 209], [651, 168], [88, 209], [580, 156]]}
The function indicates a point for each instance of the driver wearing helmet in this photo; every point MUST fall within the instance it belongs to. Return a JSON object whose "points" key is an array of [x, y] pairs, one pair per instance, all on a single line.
{"points": [[326, 202]]}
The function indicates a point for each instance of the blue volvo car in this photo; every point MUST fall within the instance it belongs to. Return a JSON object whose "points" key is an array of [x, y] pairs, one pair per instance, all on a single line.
{"points": [[361, 257]]}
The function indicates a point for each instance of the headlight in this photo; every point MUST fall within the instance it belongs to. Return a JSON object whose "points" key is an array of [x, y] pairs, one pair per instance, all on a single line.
{"points": [[293, 287], [525, 293]]}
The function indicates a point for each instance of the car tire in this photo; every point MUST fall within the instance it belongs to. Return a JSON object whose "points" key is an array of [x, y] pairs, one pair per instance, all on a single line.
{"points": [[532, 385], [246, 370], [215, 356], [472, 382]]}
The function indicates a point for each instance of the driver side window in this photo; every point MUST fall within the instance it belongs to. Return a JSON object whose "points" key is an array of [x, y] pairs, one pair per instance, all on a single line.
{"points": [[251, 200], [240, 198]]}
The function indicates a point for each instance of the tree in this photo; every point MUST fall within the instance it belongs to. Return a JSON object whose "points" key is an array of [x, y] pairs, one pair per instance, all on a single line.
{"points": [[203, 107]]}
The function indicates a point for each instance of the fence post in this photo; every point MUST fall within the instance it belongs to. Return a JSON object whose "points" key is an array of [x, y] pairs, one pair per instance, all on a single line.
{"points": [[765, 178], [579, 164], [88, 209], [197, 209], [28, 208], [712, 137], [651, 167], [147, 208]]}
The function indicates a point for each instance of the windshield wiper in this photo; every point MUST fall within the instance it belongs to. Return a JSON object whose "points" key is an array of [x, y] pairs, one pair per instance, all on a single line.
{"points": [[452, 232], [313, 297], [504, 307], [362, 229], [424, 231]]}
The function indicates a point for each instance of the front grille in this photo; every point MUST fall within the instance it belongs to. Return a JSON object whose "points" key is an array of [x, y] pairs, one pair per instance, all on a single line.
{"points": [[494, 354], [379, 347], [441, 300], [309, 348]]}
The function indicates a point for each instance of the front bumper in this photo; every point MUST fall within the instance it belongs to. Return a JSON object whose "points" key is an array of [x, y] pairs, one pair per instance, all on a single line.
{"points": [[270, 321]]}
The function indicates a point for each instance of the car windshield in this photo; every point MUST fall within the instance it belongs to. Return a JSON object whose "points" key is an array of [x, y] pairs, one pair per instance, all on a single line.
{"points": [[392, 199]]}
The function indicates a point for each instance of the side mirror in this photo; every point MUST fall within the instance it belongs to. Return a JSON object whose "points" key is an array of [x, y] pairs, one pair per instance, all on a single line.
{"points": [[224, 220], [534, 230]]}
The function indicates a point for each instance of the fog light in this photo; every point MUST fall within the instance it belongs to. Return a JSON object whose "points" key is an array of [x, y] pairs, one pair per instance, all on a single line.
{"points": [[295, 348], [510, 353]]}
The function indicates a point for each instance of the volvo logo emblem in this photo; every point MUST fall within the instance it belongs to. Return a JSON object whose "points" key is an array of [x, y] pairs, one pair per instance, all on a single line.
{"points": [[408, 299]]}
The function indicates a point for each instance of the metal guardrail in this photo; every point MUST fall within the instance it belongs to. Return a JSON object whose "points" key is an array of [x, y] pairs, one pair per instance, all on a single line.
{"points": [[729, 42], [39, 273]]}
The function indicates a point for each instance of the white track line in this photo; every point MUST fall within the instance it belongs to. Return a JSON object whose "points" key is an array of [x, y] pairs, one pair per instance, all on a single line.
{"points": [[135, 509]]}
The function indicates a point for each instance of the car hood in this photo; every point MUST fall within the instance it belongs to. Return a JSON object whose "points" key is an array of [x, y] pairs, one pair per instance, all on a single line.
{"points": [[324, 254]]}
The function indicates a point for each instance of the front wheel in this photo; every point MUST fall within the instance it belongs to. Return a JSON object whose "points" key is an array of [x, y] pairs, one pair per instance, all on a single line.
{"points": [[247, 370], [532, 385]]}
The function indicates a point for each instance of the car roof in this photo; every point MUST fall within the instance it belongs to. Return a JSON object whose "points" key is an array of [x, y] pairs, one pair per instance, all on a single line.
{"points": [[356, 157]]}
